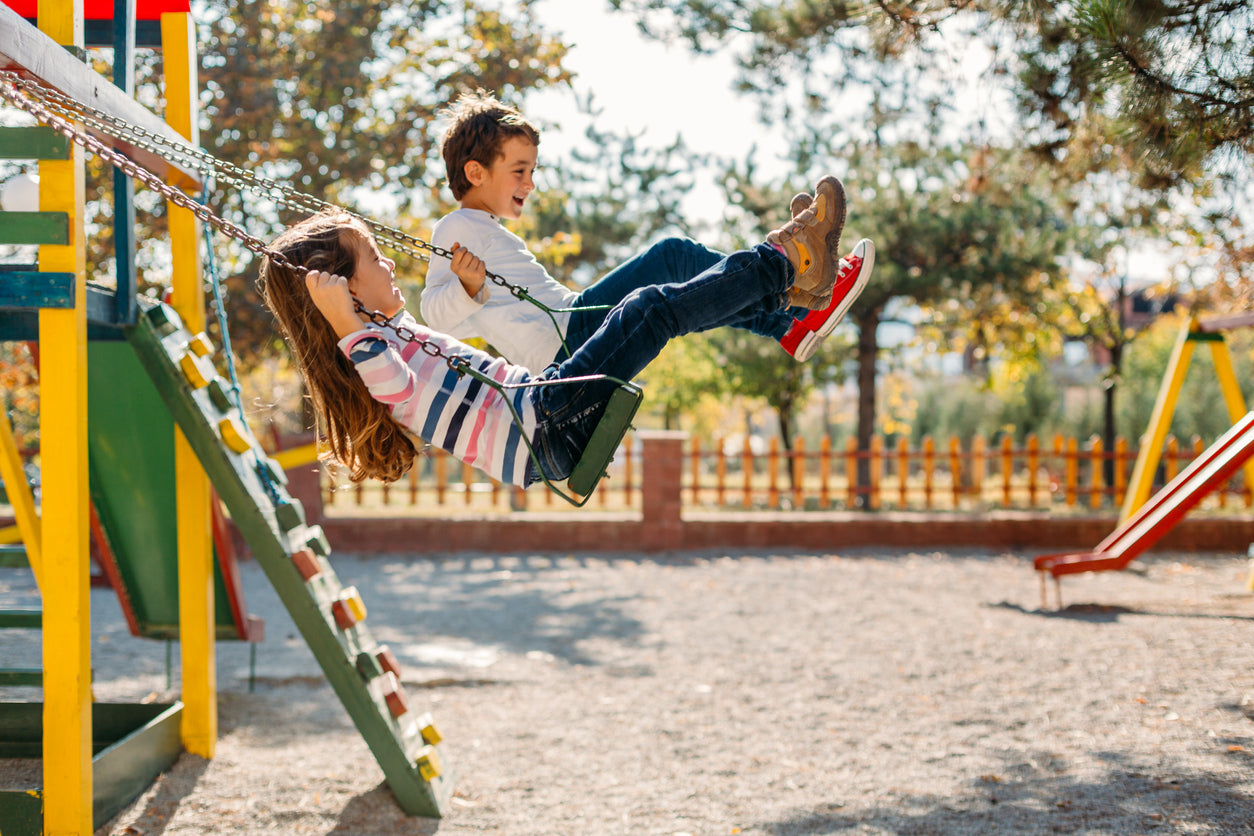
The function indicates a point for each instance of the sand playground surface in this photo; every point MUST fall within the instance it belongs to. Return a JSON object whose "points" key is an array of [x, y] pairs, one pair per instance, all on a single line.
{"points": [[780, 694]]}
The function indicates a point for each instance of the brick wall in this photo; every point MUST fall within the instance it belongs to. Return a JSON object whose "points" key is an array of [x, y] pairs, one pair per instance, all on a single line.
{"points": [[661, 526]]}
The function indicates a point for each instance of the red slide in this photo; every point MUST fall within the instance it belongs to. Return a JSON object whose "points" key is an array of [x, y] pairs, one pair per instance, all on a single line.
{"points": [[1164, 509]]}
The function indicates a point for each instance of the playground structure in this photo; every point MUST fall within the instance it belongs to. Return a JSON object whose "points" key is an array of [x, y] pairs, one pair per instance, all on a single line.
{"points": [[153, 369], [1143, 519]]}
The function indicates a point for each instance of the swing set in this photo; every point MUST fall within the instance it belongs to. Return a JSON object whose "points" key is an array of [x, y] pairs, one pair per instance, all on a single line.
{"points": [[59, 112]]}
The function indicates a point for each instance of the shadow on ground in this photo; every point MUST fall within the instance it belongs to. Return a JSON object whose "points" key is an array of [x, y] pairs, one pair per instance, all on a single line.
{"points": [[1034, 797]]}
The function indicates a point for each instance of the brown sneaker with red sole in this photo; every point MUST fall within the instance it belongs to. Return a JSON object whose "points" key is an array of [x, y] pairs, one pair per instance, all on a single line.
{"points": [[811, 241]]}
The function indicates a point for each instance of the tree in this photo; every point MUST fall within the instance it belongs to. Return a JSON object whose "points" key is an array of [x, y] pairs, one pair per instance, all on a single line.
{"points": [[1175, 78], [950, 237], [1152, 94]]}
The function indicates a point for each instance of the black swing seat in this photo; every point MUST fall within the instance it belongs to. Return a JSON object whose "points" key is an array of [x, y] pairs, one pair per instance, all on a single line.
{"points": [[609, 432]]}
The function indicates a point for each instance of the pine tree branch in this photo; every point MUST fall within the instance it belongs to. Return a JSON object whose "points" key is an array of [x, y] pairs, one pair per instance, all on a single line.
{"points": [[1146, 75]]}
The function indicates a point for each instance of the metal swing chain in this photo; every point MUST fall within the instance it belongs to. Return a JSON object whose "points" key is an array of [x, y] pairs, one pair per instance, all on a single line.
{"points": [[231, 174], [171, 192]]}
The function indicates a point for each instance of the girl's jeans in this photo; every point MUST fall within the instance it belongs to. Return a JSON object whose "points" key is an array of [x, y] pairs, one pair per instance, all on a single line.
{"points": [[670, 261], [745, 286]]}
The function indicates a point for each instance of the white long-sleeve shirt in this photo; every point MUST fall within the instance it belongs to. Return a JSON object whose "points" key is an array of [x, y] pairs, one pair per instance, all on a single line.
{"points": [[456, 413], [517, 329]]}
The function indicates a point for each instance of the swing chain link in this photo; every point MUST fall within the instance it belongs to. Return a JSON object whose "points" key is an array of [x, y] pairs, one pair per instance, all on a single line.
{"points": [[409, 335], [62, 124]]}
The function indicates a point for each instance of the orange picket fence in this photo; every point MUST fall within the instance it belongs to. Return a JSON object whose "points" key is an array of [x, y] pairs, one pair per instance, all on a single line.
{"points": [[1061, 475]]}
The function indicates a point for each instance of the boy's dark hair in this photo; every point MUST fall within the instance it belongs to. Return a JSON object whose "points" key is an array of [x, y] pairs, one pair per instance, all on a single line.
{"points": [[478, 125]]}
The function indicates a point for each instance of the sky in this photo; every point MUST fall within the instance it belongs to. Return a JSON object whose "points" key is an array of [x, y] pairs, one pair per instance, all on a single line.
{"points": [[641, 83]]}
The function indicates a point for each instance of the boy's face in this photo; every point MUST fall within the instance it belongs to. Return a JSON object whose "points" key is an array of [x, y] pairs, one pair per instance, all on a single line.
{"points": [[372, 281], [502, 188]]}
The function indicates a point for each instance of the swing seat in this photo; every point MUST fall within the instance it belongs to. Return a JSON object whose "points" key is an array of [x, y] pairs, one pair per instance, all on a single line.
{"points": [[609, 432]]}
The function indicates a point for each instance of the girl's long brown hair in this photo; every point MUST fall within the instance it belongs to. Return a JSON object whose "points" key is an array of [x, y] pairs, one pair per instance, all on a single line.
{"points": [[360, 431]]}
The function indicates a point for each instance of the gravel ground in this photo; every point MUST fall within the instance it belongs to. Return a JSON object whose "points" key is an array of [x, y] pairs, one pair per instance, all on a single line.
{"points": [[868, 692]]}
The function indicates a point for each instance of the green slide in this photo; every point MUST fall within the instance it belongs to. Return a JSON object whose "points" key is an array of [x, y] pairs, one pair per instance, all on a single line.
{"points": [[131, 454]]}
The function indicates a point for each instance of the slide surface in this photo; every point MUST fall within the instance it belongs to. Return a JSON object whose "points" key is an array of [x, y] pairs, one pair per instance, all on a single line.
{"points": [[1164, 509]]}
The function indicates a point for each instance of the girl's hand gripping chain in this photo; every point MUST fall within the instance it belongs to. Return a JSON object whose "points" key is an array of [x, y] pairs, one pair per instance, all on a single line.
{"points": [[333, 299]]}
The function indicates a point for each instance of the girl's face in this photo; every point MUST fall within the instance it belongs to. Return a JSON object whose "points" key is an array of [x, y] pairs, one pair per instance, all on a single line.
{"points": [[373, 281], [502, 188]]}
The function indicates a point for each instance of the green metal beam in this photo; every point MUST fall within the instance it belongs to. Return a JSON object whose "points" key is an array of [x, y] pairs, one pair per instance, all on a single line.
{"points": [[131, 745], [22, 812], [13, 556], [20, 289], [19, 677], [34, 142], [21, 619], [35, 228]]}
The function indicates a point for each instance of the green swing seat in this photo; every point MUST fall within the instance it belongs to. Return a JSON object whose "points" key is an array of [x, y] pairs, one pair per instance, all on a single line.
{"points": [[595, 461]]}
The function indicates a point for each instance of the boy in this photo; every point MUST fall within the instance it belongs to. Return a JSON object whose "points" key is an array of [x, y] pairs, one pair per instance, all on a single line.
{"points": [[490, 152]]}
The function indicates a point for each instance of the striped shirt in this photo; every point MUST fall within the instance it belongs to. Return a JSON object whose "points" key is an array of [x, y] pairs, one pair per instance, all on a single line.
{"points": [[457, 413]]}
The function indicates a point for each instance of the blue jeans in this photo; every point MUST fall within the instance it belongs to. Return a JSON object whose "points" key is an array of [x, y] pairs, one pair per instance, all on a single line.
{"points": [[669, 261], [745, 286]]}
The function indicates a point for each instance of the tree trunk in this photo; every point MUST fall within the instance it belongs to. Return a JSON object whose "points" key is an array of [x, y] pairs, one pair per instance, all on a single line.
{"points": [[1108, 411], [868, 352], [784, 414]]}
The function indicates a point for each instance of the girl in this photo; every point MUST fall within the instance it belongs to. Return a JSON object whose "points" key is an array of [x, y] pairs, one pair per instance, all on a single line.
{"points": [[378, 379]]}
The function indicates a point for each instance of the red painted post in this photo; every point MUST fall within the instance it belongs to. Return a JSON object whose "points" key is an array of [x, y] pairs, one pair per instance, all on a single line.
{"points": [[1007, 470], [877, 471], [772, 466], [851, 472], [903, 471], [1097, 456]]}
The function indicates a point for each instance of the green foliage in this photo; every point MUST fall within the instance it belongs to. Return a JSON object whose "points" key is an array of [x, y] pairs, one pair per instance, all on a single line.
{"points": [[678, 382], [966, 408], [753, 367]]}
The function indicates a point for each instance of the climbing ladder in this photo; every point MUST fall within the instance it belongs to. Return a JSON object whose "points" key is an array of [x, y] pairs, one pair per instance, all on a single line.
{"points": [[294, 556]]}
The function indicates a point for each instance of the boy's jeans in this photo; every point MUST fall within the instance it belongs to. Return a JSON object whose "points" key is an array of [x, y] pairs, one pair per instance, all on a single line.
{"points": [[744, 286], [669, 261]]}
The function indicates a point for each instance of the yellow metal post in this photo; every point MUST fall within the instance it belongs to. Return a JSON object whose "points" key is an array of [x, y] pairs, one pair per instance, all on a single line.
{"points": [[20, 496], [63, 459], [195, 542], [1233, 398], [1160, 421]]}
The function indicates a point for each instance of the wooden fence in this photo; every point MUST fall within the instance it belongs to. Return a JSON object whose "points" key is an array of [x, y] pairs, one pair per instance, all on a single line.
{"points": [[1061, 475]]}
